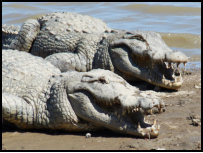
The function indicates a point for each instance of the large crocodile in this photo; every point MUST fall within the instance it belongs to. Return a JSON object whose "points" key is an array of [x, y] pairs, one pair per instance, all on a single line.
{"points": [[132, 55], [36, 95]]}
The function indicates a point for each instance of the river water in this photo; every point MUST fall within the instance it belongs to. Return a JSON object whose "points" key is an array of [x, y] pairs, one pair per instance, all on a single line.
{"points": [[179, 23]]}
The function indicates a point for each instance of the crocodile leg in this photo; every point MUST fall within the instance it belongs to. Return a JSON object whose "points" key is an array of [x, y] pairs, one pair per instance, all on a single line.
{"points": [[16, 110], [68, 61]]}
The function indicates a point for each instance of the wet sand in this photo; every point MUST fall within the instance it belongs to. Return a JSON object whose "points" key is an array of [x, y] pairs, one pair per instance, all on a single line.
{"points": [[176, 133]]}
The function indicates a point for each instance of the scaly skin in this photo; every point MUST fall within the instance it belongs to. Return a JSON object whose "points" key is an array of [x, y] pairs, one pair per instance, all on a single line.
{"points": [[132, 55], [9, 34], [36, 95]]}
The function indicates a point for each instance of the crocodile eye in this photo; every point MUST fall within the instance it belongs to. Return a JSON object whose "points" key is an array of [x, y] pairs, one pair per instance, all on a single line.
{"points": [[102, 80], [90, 79], [129, 33]]}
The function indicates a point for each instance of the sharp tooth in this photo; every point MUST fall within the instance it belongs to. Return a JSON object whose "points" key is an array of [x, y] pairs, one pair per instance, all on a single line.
{"points": [[150, 112], [166, 64], [158, 127], [159, 109], [154, 122], [138, 126], [148, 135], [125, 126], [137, 109], [172, 66]]}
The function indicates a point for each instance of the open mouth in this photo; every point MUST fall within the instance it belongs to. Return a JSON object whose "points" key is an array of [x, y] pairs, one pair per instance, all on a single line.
{"points": [[161, 73], [132, 120], [116, 115]]}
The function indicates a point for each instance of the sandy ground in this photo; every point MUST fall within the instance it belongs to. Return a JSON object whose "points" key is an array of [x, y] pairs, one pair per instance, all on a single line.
{"points": [[177, 131]]}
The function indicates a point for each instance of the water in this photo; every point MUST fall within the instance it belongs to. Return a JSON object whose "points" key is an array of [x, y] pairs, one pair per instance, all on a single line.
{"points": [[179, 23]]}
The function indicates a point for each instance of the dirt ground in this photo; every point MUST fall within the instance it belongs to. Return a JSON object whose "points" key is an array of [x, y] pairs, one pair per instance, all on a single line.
{"points": [[176, 133]]}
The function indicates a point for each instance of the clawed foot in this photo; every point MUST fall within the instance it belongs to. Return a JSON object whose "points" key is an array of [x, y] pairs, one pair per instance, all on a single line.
{"points": [[151, 131]]}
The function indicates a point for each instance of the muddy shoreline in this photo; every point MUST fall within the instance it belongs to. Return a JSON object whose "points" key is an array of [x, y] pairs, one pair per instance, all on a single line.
{"points": [[177, 129]]}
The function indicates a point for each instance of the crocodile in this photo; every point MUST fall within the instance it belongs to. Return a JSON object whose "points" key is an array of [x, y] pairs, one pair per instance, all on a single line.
{"points": [[138, 55], [36, 95]]}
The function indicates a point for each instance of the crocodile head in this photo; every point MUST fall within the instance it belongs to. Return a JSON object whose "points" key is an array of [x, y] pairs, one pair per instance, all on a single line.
{"points": [[105, 99], [144, 55]]}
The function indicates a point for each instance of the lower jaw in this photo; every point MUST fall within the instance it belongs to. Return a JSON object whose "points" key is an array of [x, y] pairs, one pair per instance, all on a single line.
{"points": [[168, 84]]}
